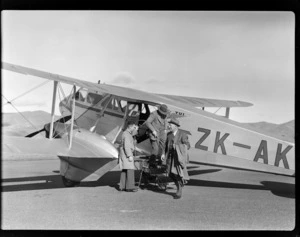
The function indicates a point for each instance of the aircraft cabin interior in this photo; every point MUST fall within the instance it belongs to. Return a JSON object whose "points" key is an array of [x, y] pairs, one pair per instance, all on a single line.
{"points": [[109, 114]]}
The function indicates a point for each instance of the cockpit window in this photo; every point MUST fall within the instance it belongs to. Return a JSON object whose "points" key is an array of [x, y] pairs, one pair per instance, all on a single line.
{"points": [[104, 102], [152, 108], [114, 105], [80, 95], [122, 105], [133, 110], [93, 98]]}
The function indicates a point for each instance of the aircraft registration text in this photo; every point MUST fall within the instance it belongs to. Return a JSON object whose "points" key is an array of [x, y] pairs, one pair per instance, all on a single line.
{"points": [[261, 153]]}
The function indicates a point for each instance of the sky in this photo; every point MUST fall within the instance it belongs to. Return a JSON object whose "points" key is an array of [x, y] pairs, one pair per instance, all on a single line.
{"points": [[238, 55]]}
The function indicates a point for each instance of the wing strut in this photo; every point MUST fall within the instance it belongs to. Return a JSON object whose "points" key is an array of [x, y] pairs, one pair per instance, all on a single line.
{"points": [[227, 112], [72, 119], [53, 109]]}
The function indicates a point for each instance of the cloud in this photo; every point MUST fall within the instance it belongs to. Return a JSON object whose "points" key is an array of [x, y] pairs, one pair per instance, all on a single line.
{"points": [[123, 78]]}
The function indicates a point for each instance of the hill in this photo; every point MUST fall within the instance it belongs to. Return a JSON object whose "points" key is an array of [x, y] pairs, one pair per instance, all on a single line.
{"points": [[285, 131], [14, 124]]}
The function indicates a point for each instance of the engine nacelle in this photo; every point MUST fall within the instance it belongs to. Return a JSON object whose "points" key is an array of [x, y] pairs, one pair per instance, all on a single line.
{"points": [[90, 157]]}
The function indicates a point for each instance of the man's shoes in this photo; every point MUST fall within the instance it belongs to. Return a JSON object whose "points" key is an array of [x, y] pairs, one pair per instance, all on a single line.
{"points": [[131, 190], [179, 190], [177, 196]]}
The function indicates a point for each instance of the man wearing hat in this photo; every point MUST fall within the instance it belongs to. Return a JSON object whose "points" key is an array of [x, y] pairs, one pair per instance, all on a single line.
{"points": [[176, 155], [158, 125]]}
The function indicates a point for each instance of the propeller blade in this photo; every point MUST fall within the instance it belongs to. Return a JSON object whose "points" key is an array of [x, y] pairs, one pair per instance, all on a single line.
{"points": [[64, 119], [61, 120], [35, 133]]}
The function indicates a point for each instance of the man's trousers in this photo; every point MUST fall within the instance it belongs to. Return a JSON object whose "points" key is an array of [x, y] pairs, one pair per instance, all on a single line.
{"points": [[127, 180]]}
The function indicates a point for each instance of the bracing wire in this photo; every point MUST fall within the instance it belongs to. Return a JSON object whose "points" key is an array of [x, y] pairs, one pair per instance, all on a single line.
{"points": [[60, 91], [217, 110], [9, 102]]}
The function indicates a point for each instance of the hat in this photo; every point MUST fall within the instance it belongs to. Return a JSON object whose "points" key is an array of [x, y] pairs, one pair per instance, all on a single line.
{"points": [[130, 123], [163, 109], [174, 121]]}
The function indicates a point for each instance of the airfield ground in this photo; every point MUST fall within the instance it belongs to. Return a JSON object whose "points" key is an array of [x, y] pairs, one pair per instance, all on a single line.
{"points": [[33, 197]]}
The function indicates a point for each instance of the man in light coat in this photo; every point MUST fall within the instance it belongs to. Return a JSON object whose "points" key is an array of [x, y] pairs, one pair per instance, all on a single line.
{"points": [[176, 155], [126, 159]]}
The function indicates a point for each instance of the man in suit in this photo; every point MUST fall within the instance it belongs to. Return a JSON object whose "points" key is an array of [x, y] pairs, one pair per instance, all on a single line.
{"points": [[158, 125], [175, 156], [126, 159]]}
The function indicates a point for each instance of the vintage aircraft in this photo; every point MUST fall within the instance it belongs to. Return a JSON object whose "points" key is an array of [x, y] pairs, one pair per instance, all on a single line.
{"points": [[87, 137]]}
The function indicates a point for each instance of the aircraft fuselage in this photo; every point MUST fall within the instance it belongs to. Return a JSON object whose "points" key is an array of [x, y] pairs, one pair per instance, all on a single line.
{"points": [[214, 140]]}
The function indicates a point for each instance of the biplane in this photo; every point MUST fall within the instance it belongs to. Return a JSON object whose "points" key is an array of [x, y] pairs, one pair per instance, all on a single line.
{"points": [[93, 116]]}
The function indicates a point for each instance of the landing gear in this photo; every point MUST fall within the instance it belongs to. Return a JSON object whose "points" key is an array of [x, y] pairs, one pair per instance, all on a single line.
{"points": [[69, 183], [161, 185]]}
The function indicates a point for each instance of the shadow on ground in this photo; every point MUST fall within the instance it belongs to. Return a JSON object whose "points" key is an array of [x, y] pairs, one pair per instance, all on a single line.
{"points": [[112, 179], [32, 183], [279, 189]]}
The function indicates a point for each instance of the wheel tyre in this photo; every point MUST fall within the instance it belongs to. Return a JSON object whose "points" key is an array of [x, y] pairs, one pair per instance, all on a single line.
{"points": [[68, 182], [145, 179]]}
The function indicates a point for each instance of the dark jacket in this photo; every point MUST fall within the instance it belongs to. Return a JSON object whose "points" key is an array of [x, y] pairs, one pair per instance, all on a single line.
{"points": [[158, 124], [176, 153]]}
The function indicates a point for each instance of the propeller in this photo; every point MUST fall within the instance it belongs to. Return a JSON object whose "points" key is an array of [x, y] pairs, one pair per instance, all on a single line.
{"points": [[61, 120]]}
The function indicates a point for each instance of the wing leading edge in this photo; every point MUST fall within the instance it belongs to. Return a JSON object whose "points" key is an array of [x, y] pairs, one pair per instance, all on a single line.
{"points": [[204, 102], [126, 92], [110, 89]]}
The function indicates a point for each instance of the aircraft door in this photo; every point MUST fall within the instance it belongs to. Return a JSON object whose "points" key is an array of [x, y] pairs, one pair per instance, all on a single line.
{"points": [[133, 113]]}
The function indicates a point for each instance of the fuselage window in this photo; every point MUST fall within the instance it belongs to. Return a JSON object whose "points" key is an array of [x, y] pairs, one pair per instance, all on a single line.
{"points": [[111, 104], [105, 101], [123, 105], [143, 109], [80, 95], [116, 105], [152, 108], [119, 106], [93, 98], [133, 110], [145, 112]]}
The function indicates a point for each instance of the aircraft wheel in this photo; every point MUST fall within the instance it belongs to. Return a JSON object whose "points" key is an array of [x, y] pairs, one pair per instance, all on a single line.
{"points": [[68, 182]]}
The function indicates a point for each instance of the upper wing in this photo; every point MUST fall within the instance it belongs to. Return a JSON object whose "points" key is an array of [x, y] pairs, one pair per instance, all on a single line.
{"points": [[204, 102], [127, 92], [115, 90]]}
